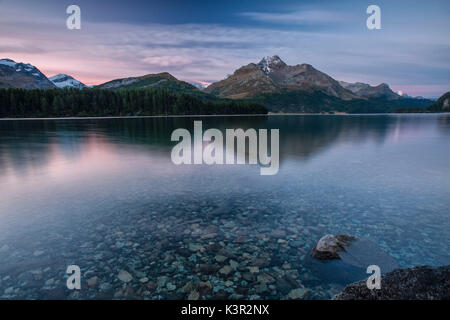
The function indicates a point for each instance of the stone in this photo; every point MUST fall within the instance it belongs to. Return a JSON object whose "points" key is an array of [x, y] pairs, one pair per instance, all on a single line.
{"points": [[228, 283], [105, 287], [118, 294], [265, 278], [143, 280], [241, 239], [195, 247], [227, 253], [298, 293], [248, 276], [170, 286], [92, 282], [352, 262], [188, 287], [226, 270], [124, 276], [278, 233], [253, 269], [220, 258], [328, 246], [129, 291], [234, 264], [161, 281], [260, 262], [261, 288], [194, 295]]}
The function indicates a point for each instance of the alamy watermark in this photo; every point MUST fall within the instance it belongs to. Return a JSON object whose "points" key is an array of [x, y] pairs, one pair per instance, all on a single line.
{"points": [[374, 20], [74, 280], [374, 281], [74, 20], [216, 153]]}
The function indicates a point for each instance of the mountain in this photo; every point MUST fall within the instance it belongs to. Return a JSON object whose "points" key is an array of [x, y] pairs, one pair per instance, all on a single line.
{"points": [[441, 105], [366, 90], [20, 75], [66, 81], [162, 80], [271, 76], [302, 88]]}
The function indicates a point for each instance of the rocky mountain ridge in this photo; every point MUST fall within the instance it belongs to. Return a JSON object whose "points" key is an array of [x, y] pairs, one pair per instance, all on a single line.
{"points": [[20, 75], [272, 75]]}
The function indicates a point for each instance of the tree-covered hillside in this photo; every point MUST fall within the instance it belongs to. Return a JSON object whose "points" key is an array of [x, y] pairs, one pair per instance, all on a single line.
{"points": [[21, 103], [318, 101], [442, 104]]}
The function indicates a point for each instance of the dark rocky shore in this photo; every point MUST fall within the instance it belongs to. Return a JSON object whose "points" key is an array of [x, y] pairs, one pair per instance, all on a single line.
{"points": [[418, 283], [350, 256]]}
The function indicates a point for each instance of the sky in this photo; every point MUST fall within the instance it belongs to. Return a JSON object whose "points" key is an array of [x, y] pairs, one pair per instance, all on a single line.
{"points": [[205, 40]]}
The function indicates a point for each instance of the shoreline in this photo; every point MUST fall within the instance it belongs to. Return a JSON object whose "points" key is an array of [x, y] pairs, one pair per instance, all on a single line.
{"points": [[225, 115]]}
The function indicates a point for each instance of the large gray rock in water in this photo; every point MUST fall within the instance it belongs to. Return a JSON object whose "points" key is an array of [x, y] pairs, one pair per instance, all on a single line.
{"points": [[418, 283], [359, 253], [328, 246], [344, 259]]}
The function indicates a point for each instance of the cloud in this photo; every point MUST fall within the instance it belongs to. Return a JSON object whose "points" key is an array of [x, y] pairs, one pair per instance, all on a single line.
{"points": [[299, 17], [21, 49], [164, 61]]}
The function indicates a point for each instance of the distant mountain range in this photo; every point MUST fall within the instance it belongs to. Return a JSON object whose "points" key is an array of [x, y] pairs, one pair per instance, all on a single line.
{"points": [[367, 91], [26, 76], [302, 88], [271, 82]]}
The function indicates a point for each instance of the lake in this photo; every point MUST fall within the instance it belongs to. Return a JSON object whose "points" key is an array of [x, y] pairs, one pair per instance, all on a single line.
{"points": [[104, 194]]}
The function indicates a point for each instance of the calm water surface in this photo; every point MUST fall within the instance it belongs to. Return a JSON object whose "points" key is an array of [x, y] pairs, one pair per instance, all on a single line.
{"points": [[103, 194]]}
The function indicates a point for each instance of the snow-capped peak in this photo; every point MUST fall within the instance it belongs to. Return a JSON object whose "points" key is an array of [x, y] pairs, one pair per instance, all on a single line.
{"points": [[23, 75], [268, 63], [21, 67], [8, 62], [66, 81]]}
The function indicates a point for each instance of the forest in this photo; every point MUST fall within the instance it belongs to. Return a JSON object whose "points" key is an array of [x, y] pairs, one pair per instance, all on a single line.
{"points": [[21, 103]]}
